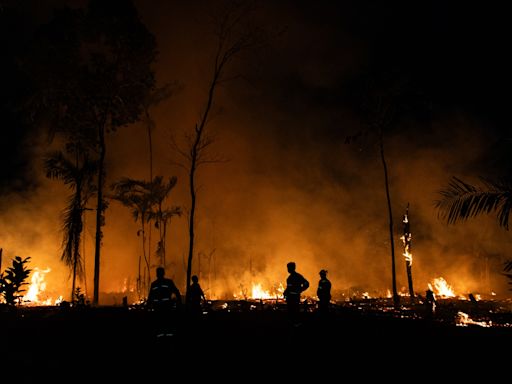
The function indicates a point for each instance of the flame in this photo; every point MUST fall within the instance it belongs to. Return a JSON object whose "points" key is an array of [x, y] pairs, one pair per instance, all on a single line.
{"points": [[37, 287], [463, 320], [407, 254], [441, 288], [258, 292]]}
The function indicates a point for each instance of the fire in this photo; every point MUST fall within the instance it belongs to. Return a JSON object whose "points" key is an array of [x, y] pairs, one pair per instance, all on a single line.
{"points": [[37, 287], [441, 288], [258, 292], [463, 320], [406, 239]]}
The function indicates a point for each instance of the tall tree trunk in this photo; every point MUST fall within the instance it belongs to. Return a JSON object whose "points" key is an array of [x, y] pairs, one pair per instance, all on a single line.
{"points": [[150, 144], [191, 219], [396, 298], [99, 212], [199, 130], [77, 229]]}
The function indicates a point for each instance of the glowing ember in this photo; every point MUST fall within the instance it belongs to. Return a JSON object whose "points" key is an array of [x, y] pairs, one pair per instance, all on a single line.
{"points": [[441, 288]]}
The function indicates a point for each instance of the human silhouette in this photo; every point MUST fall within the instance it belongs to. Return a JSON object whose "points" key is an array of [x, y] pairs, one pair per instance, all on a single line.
{"points": [[295, 285], [323, 292], [194, 296], [430, 304], [162, 303]]}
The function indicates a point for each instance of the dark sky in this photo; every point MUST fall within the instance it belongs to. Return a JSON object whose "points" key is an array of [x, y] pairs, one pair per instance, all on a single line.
{"points": [[292, 187]]}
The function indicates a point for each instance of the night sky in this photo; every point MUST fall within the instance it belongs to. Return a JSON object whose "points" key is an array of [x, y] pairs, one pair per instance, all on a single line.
{"points": [[292, 188]]}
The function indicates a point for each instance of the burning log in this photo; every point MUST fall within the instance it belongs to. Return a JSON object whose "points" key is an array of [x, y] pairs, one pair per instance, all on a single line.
{"points": [[406, 239]]}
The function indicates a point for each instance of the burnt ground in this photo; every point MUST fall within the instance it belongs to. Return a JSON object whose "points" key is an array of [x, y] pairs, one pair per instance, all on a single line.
{"points": [[58, 342]]}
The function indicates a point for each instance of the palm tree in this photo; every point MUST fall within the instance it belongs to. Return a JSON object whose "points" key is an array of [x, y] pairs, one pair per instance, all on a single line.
{"points": [[78, 174], [146, 201], [159, 191], [461, 201], [133, 194]]}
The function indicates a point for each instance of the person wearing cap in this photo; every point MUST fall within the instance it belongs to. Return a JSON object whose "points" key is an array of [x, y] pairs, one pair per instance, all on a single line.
{"points": [[324, 292]]}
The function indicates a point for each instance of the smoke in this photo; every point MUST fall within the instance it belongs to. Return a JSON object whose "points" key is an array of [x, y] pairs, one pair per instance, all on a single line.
{"points": [[291, 188]]}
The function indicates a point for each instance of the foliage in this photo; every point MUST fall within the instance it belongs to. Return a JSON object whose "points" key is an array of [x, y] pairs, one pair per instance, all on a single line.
{"points": [[92, 67], [461, 201], [79, 299], [13, 279]]}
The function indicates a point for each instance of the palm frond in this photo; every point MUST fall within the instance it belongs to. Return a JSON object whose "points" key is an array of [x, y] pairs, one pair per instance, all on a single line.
{"points": [[461, 201]]}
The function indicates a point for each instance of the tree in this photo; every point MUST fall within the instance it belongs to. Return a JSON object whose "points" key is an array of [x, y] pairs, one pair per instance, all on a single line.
{"points": [[461, 201], [134, 194], [146, 201], [233, 35], [159, 192], [384, 97], [378, 108], [94, 72], [78, 174]]}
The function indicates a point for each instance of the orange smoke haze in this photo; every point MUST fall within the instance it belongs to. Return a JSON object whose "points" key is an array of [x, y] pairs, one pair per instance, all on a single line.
{"points": [[291, 190]]}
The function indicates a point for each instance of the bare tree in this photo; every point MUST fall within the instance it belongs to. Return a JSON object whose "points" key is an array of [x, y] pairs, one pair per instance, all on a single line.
{"points": [[383, 99], [233, 36]]}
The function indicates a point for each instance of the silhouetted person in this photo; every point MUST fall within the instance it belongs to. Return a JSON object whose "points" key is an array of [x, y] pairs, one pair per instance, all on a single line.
{"points": [[161, 301], [194, 297], [295, 285], [430, 304], [324, 292]]}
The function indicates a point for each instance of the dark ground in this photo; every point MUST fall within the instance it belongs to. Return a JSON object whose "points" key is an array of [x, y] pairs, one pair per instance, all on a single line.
{"points": [[56, 342]]}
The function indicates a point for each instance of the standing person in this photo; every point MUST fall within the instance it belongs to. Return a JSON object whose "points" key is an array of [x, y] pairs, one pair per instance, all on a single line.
{"points": [[160, 300], [295, 285], [323, 292], [430, 304], [194, 296]]}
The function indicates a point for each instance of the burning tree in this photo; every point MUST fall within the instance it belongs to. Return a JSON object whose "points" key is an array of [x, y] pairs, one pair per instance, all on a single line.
{"points": [[406, 239]]}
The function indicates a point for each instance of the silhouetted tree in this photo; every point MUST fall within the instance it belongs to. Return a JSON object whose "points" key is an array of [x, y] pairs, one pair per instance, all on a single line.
{"points": [[233, 35], [94, 70], [146, 200], [13, 279], [383, 98], [154, 98], [159, 192], [134, 194], [77, 174]]}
